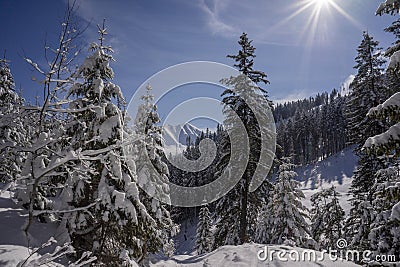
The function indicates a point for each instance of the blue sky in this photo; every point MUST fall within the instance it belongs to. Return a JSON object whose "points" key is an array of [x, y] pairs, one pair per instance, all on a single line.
{"points": [[302, 53]]}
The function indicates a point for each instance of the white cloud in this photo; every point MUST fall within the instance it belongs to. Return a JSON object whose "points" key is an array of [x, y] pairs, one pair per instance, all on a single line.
{"points": [[214, 21], [281, 23], [346, 85], [301, 94], [230, 18], [298, 95]]}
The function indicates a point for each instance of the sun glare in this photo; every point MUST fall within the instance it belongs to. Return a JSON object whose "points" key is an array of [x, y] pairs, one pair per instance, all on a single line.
{"points": [[322, 3], [316, 11], [314, 21]]}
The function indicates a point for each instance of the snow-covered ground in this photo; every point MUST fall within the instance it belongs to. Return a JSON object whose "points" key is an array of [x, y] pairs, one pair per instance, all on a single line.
{"points": [[247, 255], [13, 241], [336, 170], [185, 240]]}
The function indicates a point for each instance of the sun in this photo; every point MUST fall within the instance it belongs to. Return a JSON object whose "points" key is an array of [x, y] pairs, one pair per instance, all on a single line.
{"points": [[317, 11], [318, 17], [322, 3]]}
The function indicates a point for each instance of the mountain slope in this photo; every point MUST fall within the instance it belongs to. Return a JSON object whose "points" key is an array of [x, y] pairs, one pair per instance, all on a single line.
{"points": [[336, 170]]}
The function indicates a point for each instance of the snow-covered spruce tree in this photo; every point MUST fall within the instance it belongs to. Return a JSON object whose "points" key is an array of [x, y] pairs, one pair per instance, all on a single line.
{"points": [[204, 236], [327, 218], [391, 7], [229, 209], [384, 236], [283, 219], [237, 211], [153, 174], [107, 216], [12, 130], [388, 141], [392, 76], [367, 90]]}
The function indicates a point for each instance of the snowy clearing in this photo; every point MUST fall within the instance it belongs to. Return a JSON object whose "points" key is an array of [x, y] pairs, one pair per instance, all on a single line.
{"points": [[336, 170]]}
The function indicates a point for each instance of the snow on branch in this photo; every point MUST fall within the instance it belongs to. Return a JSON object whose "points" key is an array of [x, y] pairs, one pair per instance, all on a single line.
{"points": [[394, 60], [389, 7], [392, 103], [396, 212], [35, 65], [57, 253], [390, 136], [39, 212]]}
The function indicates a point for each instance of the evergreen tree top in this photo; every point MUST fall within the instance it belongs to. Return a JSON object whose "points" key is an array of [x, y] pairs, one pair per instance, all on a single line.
{"points": [[286, 165], [6, 78], [245, 61], [7, 85], [368, 54], [325, 193], [97, 74]]}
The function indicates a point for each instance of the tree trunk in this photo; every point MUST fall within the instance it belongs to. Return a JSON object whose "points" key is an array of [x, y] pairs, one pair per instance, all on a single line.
{"points": [[243, 213]]}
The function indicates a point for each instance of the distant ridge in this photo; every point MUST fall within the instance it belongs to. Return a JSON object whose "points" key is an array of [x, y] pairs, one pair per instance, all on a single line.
{"points": [[175, 135]]}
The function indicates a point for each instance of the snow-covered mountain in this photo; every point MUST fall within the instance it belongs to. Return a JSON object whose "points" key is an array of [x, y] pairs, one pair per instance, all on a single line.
{"points": [[178, 134], [175, 136]]}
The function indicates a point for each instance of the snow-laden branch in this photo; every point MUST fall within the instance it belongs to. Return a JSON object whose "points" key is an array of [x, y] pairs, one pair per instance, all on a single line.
{"points": [[64, 110], [391, 135], [395, 215], [392, 103], [389, 7], [35, 65], [49, 258], [39, 212]]}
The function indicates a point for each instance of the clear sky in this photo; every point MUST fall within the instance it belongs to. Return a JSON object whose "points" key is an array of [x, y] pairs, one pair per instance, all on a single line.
{"points": [[305, 46]]}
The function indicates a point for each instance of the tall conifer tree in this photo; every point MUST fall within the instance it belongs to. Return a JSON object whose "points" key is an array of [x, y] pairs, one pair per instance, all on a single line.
{"points": [[240, 207]]}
